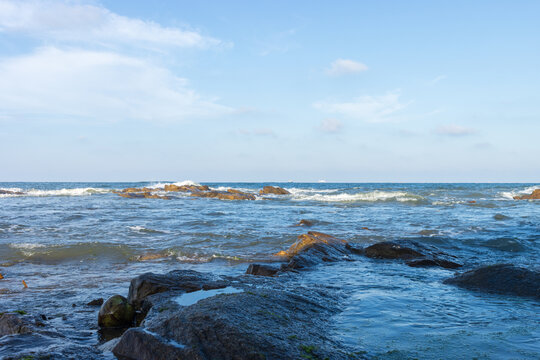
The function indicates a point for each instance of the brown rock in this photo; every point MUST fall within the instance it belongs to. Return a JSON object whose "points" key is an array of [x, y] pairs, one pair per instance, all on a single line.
{"points": [[534, 196], [8, 192], [186, 188], [276, 190], [309, 239], [304, 222], [224, 195]]}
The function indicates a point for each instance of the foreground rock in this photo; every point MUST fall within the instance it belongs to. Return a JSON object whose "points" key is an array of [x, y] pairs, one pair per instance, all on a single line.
{"points": [[276, 190], [11, 324], [116, 312], [276, 321], [501, 279], [419, 257], [534, 196]]}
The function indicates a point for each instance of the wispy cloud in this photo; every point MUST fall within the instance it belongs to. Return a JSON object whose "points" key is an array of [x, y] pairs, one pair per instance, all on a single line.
{"points": [[454, 130], [366, 108], [258, 132], [331, 125], [79, 22], [437, 80], [57, 83], [345, 66]]}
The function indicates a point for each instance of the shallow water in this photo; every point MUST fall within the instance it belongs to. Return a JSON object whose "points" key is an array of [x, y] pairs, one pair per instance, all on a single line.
{"points": [[74, 242]]}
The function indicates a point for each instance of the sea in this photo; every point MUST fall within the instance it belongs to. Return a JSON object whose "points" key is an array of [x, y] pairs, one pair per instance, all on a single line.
{"points": [[74, 242]]}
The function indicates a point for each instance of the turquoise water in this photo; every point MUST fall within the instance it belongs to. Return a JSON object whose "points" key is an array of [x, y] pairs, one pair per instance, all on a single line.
{"points": [[74, 242]]}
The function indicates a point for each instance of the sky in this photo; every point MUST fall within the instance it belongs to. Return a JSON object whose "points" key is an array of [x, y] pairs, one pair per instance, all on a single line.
{"points": [[342, 91]]}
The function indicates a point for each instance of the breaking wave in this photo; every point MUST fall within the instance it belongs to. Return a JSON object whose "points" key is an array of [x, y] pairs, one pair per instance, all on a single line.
{"points": [[371, 196], [60, 192], [509, 195]]}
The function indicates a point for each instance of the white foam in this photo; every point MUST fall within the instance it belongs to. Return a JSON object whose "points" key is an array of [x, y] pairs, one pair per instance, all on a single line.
{"points": [[371, 196], [26, 246], [161, 185], [509, 195], [60, 192], [142, 229]]}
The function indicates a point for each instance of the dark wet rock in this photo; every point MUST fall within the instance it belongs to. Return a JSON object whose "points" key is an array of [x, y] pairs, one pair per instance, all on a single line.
{"points": [[391, 250], [501, 217], [136, 343], [116, 312], [274, 323], [305, 222], [224, 195], [535, 195], [434, 262], [502, 279], [11, 324], [276, 190], [178, 280], [262, 270], [9, 192], [417, 255], [95, 302]]}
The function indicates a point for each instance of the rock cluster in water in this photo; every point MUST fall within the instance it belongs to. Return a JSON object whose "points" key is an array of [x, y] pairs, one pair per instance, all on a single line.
{"points": [[202, 191], [534, 196]]}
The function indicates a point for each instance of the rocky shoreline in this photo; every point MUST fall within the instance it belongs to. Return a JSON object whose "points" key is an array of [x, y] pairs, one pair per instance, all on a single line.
{"points": [[264, 314]]}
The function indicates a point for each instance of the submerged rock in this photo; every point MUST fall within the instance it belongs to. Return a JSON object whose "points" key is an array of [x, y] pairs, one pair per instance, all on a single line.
{"points": [[535, 195], [116, 312], [500, 278], [11, 324], [391, 250], [394, 250], [276, 190], [304, 222], [95, 302]]}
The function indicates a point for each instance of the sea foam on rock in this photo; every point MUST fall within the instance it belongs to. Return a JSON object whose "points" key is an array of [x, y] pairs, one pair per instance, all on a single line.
{"points": [[535, 195]]}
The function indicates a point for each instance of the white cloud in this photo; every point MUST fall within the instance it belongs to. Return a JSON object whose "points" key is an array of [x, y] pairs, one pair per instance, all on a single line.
{"points": [[454, 130], [344, 66], [56, 83], [437, 79], [258, 132], [68, 21], [331, 125], [366, 108]]}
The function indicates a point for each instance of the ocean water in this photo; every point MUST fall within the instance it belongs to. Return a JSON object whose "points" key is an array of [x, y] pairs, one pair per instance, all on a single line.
{"points": [[74, 242]]}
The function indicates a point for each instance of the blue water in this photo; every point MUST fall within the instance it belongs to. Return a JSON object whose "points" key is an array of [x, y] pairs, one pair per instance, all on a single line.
{"points": [[74, 242]]}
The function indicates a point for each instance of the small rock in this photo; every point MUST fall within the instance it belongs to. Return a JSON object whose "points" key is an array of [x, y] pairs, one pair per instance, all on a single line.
{"points": [[276, 190], [261, 270], [304, 222], [391, 250], [11, 324], [446, 264], [96, 302], [500, 278], [307, 240], [116, 312]]}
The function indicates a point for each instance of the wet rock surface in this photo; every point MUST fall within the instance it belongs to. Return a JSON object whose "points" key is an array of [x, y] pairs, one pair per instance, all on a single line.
{"points": [[501, 279], [276, 321], [535, 195], [275, 190], [116, 312], [416, 255]]}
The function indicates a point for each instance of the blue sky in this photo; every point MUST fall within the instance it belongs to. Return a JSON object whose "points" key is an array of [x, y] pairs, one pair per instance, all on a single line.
{"points": [[360, 91]]}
